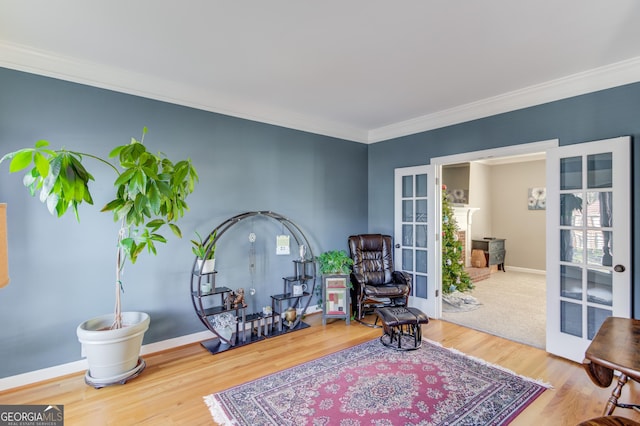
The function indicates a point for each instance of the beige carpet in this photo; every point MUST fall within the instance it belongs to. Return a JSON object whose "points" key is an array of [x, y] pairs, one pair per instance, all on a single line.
{"points": [[513, 305]]}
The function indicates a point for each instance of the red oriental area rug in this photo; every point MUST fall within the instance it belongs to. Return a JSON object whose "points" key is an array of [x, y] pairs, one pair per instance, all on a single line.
{"points": [[371, 384]]}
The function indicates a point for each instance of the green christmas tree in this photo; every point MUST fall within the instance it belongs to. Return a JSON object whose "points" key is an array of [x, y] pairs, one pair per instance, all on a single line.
{"points": [[454, 277]]}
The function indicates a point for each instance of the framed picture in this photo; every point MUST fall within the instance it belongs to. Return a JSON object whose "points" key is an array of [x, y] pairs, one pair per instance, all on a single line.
{"points": [[336, 299], [537, 198]]}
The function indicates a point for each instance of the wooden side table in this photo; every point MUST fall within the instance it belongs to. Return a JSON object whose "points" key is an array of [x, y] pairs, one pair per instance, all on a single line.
{"points": [[336, 297], [494, 250], [615, 347]]}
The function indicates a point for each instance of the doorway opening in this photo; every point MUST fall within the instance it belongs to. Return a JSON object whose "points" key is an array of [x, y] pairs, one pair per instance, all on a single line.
{"points": [[492, 200]]}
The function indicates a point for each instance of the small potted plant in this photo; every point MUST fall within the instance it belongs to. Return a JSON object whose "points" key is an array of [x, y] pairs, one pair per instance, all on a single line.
{"points": [[335, 262], [149, 193], [205, 251]]}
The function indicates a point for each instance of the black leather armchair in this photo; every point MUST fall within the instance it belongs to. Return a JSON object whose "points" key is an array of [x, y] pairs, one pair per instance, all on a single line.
{"points": [[375, 283]]}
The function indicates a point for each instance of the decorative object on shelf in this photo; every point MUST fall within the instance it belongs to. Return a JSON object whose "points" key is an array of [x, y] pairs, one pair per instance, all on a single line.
{"points": [[537, 198], [205, 250], [454, 277], [206, 287], [235, 299], [224, 324], [299, 289], [282, 245], [336, 297], [290, 315], [260, 323], [303, 252], [252, 261], [150, 192]]}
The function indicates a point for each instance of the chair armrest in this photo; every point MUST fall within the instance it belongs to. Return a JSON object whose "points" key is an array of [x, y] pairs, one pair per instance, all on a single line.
{"points": [[357, 280], [401, 277]]}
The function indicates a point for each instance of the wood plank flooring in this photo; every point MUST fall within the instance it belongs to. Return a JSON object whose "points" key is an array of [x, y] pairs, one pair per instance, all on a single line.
{"points": [[170, 390]]}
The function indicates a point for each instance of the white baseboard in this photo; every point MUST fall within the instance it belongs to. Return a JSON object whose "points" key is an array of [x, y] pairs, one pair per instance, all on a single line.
{"points": [[527, 270], [81, 365]]}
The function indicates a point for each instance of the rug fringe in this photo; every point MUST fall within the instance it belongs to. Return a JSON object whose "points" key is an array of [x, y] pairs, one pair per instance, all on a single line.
{"points": [[218, 414], [499, 367]]}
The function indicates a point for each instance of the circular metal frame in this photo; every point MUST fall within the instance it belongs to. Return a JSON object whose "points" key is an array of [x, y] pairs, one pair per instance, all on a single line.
{"points": [[218, 232]]}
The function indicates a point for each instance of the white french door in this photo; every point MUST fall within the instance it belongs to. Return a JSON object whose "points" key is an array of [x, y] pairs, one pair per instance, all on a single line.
{"points": [[414, 239], [588, 242]]}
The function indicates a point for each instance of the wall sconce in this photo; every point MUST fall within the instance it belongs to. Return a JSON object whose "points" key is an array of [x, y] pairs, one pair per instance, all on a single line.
{"points": [[4, 247]]}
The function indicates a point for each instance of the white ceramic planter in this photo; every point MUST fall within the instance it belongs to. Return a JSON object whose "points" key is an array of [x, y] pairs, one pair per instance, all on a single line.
{"points": [[209, 266], [112, 353]]}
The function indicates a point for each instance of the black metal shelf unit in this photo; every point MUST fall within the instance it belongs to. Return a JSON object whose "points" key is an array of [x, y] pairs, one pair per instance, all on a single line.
{"points": [[233, 326]]}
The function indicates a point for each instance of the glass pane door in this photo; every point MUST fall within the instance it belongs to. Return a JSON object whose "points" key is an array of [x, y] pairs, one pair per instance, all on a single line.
{"points": [[590, 185], [412, 231]]}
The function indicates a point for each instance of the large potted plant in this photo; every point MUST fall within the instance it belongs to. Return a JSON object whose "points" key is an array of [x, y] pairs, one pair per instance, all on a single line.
{"points": [[150, 193]]}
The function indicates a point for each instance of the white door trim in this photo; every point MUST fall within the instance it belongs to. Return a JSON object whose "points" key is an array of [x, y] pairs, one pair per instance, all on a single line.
{"points": [[505, 151], [438, 162]]}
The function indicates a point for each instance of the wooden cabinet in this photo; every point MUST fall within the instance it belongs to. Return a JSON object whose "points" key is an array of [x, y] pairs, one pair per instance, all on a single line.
{"points": [[494, 250], [336, 297]]}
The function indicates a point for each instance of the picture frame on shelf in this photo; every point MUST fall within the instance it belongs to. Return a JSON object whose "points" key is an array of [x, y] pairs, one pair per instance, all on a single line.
{"points": [[336, 297]]}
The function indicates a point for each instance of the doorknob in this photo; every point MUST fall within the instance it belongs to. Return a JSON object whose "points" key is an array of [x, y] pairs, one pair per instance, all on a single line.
{"points": [[397, 245], [619, 268]]}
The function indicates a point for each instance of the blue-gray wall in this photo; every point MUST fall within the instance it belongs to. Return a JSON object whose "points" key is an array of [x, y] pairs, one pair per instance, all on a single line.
{"points": [[62, 272], [599, 115]]}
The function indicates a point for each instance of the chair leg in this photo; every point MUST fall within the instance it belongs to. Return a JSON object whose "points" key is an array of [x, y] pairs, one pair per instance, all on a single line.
{"points": [[361, 313]]}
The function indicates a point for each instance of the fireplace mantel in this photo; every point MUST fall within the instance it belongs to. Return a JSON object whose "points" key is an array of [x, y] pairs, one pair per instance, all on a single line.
{"points": [[463, 216]]}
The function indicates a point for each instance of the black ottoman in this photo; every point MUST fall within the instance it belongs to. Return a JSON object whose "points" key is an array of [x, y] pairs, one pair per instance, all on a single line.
{"points": [[402, 325]]}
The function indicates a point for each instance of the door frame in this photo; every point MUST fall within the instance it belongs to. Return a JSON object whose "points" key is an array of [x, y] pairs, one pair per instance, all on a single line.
{"points": [[438, 162]]}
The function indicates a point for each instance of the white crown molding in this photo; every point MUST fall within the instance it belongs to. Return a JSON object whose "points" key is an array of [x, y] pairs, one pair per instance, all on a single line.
{"points": [[22, 58], [33, 61], [606, 77]]}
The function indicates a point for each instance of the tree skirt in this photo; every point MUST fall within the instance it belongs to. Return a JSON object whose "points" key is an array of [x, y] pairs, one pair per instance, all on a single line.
{"points": [[371, 384], [459, 302]]}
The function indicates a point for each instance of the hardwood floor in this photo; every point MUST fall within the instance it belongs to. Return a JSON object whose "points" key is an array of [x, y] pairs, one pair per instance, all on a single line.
{"points": [[170, 390]]}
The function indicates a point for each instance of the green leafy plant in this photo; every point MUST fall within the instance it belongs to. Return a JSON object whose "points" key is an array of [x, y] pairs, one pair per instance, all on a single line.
{"points": [[334, 262], [454, 276], [150, 193], [204, 249]]}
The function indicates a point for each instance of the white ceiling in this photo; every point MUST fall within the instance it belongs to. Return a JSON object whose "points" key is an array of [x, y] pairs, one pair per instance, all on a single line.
{"points": [[364, 70]]}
